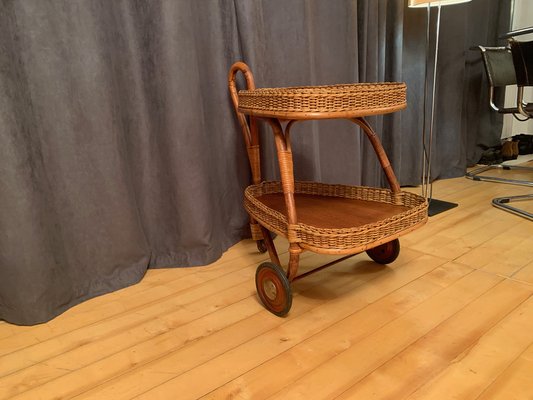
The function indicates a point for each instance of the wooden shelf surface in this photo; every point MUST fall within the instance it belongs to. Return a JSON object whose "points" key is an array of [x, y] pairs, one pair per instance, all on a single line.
{"points": [[333, 212]]}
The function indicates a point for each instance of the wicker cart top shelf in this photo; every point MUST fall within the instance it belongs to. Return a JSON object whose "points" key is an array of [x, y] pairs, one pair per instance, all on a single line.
{"points": [[322, 102]]}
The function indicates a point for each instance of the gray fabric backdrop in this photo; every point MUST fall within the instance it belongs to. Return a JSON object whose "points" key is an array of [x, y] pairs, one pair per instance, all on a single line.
{"points": [[119, 149]]}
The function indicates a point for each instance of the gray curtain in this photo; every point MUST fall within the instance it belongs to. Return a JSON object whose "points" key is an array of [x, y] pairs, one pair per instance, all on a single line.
{"points": [[119, 150], [116, 154]]}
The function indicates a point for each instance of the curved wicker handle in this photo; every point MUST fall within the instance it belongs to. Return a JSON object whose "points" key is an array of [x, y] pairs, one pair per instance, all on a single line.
{"points": [[250, 85], [232, 85], [249, 129]]}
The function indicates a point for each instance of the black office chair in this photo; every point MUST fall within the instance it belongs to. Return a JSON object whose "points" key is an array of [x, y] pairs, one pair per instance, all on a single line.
{"points": [[500, 69], [522, 53], [505, 67]]}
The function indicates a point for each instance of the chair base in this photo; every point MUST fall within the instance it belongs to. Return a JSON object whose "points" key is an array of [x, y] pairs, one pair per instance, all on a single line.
{"points": [[474, 175], [503, 204]]}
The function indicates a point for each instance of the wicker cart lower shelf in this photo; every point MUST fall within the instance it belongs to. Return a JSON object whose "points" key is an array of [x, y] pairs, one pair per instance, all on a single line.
{"points": [[336, 219]]}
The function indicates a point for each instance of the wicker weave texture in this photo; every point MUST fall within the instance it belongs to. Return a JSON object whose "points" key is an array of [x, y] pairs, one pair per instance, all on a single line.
{"points": [[323, 99], [340, 239]]}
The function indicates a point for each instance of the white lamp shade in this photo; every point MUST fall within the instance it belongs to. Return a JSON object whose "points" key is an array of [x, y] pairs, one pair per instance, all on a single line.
{"points": [[434, 3]]}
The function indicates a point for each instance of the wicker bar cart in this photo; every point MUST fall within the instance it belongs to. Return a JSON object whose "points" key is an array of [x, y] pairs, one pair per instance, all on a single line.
{"points": [[323, 218]]}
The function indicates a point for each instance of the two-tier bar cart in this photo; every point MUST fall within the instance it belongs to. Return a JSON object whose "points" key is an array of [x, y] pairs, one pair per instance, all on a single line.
{"points": [[324, 218]]}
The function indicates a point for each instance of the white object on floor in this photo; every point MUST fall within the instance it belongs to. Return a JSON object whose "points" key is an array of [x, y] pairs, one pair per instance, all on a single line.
{"points": [[520, 160]]}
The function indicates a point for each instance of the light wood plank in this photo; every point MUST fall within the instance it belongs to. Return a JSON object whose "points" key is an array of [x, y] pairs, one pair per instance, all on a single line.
{"points": [[525, 274], [433, 352], [479, 366], [515, 383], [506, 252], [146, 352], [309, 354], [290, 331], [361, 354], [161, 327]]}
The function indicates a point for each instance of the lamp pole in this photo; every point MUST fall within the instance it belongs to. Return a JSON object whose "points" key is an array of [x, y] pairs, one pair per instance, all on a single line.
{"points": [[435, 206], [433, 91]]}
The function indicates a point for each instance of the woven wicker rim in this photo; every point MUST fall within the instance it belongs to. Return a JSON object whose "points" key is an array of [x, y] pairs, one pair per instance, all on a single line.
{"points": [[325, 90], [341, 101], [342, 237]]}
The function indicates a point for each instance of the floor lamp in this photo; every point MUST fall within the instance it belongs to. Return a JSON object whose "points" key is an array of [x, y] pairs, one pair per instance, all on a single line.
{"points": [[435, 206]]}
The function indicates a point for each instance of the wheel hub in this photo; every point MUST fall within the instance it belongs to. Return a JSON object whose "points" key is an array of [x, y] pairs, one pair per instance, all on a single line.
{"points": [[270, 289]]}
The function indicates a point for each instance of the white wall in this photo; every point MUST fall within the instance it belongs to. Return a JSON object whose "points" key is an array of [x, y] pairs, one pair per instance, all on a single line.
{"points": [[522, 18]]}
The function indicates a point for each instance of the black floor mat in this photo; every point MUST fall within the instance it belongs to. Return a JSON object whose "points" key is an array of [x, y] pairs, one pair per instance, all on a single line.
{"points": [[439, 206]]}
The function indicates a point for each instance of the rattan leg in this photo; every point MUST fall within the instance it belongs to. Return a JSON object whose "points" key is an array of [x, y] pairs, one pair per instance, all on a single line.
{"points": [[255, 229], [294, 261], [380, 152], [269, 243], [283, 148]]}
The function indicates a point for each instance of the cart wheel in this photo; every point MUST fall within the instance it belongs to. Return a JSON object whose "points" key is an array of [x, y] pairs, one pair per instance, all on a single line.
{"points": [[273, 288], [385, 253], [261, 246]]}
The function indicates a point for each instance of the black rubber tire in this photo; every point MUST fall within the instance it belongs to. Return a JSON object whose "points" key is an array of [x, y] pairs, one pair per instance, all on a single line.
{"points": [[261, 246], [273, 288], [385, 253]]}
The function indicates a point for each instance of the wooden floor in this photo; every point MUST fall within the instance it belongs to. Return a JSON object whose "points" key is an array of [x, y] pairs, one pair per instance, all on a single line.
{"points": [[452, 318]]}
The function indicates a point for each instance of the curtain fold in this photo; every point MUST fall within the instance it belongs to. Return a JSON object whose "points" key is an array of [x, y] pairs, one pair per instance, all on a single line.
{"points": [[119, 149]]}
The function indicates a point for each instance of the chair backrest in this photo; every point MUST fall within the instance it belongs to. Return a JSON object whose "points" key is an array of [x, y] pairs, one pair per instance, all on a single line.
{"points": [[498, 62], [522, 53]]}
